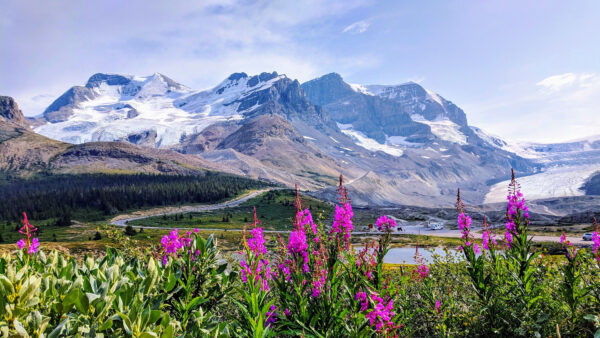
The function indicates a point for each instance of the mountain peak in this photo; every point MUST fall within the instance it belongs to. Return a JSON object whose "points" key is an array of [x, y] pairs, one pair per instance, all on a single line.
{"points": [[110, 79], [10, 110]]}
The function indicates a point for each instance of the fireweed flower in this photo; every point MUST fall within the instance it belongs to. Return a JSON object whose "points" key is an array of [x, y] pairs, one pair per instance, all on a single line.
{"points": [[487, 236], [366, 259], [381, 315], [364, 303], [570, 250], [596, 241], [342, 223], [271, 316], [464, 224], [423, 271], [515, 209], [28, 243], [256, 243], [305, 219], [297, 246], [385, 223], [438, 306]]}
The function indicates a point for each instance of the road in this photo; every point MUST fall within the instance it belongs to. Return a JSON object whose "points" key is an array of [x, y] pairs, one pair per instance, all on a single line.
{"points": [[122, 220]]}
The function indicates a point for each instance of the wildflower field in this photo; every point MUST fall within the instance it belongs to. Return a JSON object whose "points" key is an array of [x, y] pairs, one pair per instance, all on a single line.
{"points": [[313, 284]]}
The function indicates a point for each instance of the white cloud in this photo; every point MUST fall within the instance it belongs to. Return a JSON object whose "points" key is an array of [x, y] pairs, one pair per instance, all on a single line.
{"points": [[567, 80], [558, 108], [357, 27]]}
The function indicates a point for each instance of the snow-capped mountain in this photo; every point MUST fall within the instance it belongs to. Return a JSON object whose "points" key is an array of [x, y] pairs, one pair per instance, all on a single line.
{"points": [[152, 110], [404, 139]]}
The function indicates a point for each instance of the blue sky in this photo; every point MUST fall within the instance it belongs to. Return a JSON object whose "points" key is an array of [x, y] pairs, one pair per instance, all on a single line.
{"points": [[524, 70]]}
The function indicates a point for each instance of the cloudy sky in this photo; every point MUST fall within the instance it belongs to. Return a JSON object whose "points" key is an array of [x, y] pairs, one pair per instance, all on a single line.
{"points": [[524, 70]]}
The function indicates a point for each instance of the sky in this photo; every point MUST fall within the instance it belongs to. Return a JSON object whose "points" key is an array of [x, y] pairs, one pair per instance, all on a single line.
{"points": [[522, 70]]}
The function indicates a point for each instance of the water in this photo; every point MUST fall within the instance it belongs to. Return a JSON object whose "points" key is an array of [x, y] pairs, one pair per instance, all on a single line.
{"points": [[406, 255]]}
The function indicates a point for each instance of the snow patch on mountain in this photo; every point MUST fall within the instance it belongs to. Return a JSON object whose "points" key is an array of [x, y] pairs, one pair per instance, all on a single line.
{"points": [[560, 181], [369, 143], [443, 129], [360, 88]]}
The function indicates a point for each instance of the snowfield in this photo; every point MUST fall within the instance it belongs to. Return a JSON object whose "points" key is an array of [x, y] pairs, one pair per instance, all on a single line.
{"points": [[554, 182], [369, 143], [150, 105], [443, 128]]}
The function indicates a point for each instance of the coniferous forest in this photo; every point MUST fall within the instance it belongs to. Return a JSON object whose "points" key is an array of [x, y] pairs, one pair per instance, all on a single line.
{"points": [[97, 196]]}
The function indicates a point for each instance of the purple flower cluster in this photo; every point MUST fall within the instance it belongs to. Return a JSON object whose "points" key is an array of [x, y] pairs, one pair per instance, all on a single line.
{"points": [[342, 223], [298, 247], [464, 225], [260, 272], [254, 266], [30, 244], [423, 271], [364, 303], [304, 219], [596, 246], [173, 242], [256, 243], [271, 316], [385, 223], [570, 250], [516, 208], [32, 248], [381, 316]]}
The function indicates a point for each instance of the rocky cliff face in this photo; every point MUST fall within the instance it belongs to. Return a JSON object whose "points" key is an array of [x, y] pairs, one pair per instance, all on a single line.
{"points": [[10, 111]]}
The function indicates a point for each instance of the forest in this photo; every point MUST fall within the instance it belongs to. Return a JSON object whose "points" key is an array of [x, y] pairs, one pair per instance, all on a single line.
{"points": [[93, 197]]}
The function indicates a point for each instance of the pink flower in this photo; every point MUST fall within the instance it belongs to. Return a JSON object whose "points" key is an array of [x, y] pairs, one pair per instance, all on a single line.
{"points": [[476, 248], [488, 237], [33, 248], [271, 316], [256, 243], [563, 238], [21, 243], [596, 241], [342, 223], [28, 243], [364, 304], [386, 223], [287, 312], [438, 305], [298, 247], [305, 218], [381, 315], [423, 271]]}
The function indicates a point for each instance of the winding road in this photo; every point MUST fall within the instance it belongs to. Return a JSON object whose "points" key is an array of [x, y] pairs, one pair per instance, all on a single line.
{"points": [[122, 220]]}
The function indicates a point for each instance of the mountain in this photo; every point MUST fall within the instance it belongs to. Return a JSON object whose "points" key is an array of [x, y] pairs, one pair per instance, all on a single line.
{"points": [[25, 152], [9, 111], [400, 144]]}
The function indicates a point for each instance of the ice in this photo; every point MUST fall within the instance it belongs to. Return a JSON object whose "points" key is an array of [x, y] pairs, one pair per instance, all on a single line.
{"points": [[443, 128], [559, 181]]}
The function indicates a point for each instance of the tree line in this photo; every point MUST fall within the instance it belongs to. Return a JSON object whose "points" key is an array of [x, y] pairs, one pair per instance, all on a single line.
{"points": [[97, 196]]}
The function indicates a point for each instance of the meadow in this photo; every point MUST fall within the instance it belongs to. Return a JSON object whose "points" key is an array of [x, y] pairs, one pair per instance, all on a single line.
{"points": [[311, 283]]}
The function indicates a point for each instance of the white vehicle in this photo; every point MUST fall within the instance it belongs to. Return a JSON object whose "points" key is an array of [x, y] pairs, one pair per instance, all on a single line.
{"points": [[436, 226]]}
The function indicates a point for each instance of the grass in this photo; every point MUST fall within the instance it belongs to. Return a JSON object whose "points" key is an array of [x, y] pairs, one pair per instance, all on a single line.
{"points": [[275, 209]]}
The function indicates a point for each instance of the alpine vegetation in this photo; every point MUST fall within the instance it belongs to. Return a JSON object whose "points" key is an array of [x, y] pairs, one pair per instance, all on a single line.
{"points": [[312, 283]]}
